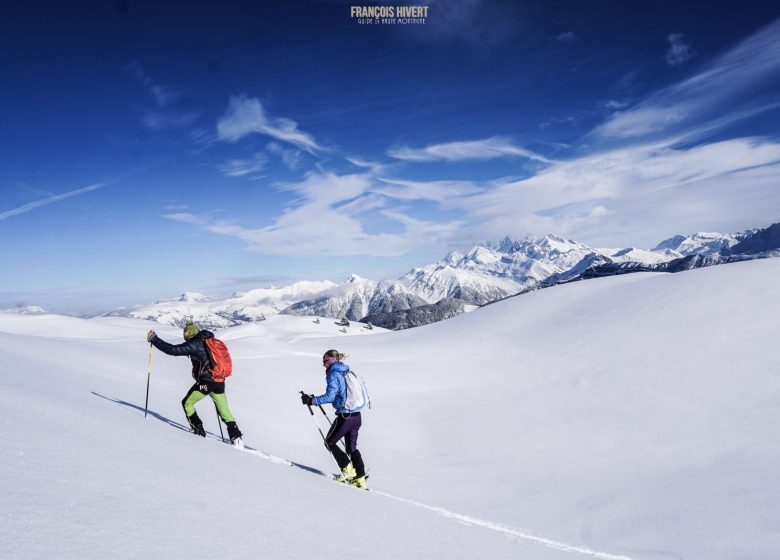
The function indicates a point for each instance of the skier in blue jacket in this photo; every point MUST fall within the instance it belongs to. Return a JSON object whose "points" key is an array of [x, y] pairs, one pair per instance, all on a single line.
{"points": [[347, 422]]}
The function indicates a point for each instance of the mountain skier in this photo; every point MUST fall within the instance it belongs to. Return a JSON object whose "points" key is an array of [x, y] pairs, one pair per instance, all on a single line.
{"points": [[206, 384], [347, 422]]}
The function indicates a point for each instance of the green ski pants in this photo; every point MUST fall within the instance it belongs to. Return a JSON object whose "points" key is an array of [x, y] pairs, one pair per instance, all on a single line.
{"points": [[194, 395]]}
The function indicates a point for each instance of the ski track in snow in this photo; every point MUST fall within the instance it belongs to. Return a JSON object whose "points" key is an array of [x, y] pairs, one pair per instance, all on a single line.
{"points": [[512, 532], [507, 530]]}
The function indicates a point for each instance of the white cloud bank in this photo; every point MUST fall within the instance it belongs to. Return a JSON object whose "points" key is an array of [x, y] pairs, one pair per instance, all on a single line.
{"points": [[639, 195]]}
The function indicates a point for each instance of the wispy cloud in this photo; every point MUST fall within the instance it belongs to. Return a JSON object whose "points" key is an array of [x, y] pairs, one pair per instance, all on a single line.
{"points": [[329, 218], [570, 120], [482, 23], [158, 120], [291, 157], [679, 51], [173, 106], [202, 137], [566, 37], [488, 148], [613, 104], [164, 95], [436, 191], [246, 115], [374, 167], [249, 168], [725, 85], [50, 200]]}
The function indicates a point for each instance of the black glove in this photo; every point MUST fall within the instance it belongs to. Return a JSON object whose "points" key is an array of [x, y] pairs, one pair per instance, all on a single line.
{"points": [[150, 336], [306, 399]]}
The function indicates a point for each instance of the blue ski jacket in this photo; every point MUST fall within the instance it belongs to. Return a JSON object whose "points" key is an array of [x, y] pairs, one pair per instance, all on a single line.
{"points": [[336, 391]]}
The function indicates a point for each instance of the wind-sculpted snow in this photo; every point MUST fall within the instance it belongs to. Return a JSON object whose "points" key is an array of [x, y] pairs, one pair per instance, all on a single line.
{"points": [[629, 417]]}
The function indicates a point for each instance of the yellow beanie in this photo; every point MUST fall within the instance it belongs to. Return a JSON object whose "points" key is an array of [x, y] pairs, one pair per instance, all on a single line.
{"points": [[190, 330]]}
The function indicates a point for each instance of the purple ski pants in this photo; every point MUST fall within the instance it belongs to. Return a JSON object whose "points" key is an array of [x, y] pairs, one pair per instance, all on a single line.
{"points": [[346, 427]]}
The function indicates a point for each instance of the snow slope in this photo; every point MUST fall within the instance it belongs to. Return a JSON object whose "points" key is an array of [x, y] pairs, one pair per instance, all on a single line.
{"points": [[625, 417]]}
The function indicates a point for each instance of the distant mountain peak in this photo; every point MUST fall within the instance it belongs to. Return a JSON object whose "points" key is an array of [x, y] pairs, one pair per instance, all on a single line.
{"points": [[702, 242], [191, 297], [355, 279], [25, 310], [507, 245]]}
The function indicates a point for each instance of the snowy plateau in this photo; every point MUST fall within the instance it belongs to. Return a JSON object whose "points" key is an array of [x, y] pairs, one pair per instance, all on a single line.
{"points": [[630, 417]]}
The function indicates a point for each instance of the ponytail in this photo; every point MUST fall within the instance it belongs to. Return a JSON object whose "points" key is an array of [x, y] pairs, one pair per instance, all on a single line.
{"points": [[335, 354]]}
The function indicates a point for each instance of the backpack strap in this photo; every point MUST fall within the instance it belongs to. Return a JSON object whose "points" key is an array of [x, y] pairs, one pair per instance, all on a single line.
{"points": [[211, 363]]}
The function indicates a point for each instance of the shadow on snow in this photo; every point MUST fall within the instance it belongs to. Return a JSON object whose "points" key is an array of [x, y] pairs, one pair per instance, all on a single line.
{"points": [[184, 428]]}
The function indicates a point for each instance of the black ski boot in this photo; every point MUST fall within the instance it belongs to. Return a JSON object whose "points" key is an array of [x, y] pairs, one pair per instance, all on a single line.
{"points": [[196, 425], [235, 434]]}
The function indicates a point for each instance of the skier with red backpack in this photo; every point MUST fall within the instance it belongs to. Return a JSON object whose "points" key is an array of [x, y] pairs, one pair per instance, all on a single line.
{"points": [[211, 364]]}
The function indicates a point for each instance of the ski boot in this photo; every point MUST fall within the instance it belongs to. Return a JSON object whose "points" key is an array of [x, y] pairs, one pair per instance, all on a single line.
{"points": [[235, 435], [196, 425], [358, 482], [347, 474]]}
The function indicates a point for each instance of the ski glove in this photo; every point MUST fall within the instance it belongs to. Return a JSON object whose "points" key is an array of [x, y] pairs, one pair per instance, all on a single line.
{"points": [[306, 399], [150, 336]]}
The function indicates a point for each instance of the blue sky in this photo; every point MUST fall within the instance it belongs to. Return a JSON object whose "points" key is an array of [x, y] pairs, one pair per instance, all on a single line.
{"points": [[152, 148]]}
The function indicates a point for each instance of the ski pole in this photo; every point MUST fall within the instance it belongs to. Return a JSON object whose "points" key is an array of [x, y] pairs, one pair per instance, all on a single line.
{"points": [[324, 438], [219, 423], [315, 421], [324, 413], [148, 377]]}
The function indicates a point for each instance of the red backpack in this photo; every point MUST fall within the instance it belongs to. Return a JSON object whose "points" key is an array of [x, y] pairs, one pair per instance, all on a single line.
{"points": [[221, 364]]}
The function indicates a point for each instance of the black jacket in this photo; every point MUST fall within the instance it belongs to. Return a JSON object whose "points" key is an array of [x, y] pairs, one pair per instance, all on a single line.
{"points": [[195, 348]]}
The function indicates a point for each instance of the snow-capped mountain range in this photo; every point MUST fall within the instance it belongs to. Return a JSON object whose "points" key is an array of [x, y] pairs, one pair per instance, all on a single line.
{"points": [[242, 307], [494, 271], [358, 297], [483, 274]]}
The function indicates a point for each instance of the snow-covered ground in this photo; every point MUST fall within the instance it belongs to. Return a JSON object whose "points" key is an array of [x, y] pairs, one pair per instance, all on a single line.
{"points": [[626, 417]]}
